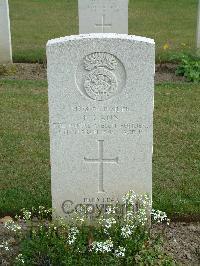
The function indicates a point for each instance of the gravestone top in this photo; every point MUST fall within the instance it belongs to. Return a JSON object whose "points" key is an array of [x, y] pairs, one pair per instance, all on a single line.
{"points": [[62, 40], [100, 89], [103, 16], [5, 36]]}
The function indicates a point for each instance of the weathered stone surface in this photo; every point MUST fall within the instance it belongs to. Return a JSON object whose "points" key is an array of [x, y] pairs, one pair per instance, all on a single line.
{"points": [[103, 16], [101, 89], [5, 36]]}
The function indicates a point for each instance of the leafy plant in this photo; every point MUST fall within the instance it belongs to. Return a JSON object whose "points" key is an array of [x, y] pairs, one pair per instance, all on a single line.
{"points": [[189, 68], [116, 238], [7, 69]]}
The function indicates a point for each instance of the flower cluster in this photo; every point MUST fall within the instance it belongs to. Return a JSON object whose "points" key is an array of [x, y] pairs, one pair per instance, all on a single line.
{"points": [[129, 198], [102, 247], [26, 214], [120, 252], [20, 259], [127, 230], [43, 211], [107, 224], [142, 216], [5, 246], [12, 226], [144, 202], [113, 234], [129, 216], [110, 210], [72, 235], [159, 216]]}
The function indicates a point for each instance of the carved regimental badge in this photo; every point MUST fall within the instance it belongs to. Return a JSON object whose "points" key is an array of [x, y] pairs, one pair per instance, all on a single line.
{"points": [[101, 76]]}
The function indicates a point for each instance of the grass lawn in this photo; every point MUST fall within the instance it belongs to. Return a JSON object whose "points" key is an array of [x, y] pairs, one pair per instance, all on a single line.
{"points": [[24, 147], [34, 22]]}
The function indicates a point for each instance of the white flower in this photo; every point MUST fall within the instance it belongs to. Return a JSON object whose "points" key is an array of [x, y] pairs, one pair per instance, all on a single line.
{"points": [[41, 209], [110, 210], [159, 216], [80, 220], [12, 226], [130, 198], [142, 216], [26, 214], [144, 202], [20, 258], [72, 235], [129, 215], [120, 252], [5, 245], [127, 230], [90, 209], [102, 247], [109, 222]]}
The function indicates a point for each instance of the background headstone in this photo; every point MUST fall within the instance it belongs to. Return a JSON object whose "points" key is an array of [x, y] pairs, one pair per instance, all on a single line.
{"points": [[198, 27], [5, 36], [103, 16], [101, 89]]}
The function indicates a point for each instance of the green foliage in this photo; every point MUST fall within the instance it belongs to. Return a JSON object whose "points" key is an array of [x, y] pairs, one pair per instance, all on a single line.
{"points": [[7, 70], [115, 238], [189, 68]]}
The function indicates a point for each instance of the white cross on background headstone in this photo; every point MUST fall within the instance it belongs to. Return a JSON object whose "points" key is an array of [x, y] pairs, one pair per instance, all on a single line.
{"points": [[103, 24], [5, 36], [101, 160], [113, 15]]}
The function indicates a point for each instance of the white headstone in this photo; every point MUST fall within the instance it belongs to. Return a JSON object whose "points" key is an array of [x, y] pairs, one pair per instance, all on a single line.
{"points": [[198, 27], [100, 89], [5, 37], [103, 16]]}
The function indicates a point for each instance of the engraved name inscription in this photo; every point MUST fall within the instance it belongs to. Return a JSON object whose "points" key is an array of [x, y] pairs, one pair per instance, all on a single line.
{"points": [[103, 6], [101, 120]]}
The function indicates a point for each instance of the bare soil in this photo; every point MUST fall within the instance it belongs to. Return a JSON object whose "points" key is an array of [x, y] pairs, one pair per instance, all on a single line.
{"points": [[181, 241], [22, 71], [166, 73]]}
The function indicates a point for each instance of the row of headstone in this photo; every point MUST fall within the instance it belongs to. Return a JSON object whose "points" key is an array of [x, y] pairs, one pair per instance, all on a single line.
{"points": [[5, 36], [94, 16], [100, 88]]}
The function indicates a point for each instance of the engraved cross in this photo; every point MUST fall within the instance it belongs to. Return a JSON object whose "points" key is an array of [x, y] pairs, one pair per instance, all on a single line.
{"points": [[101, 160], [103, 24]]}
